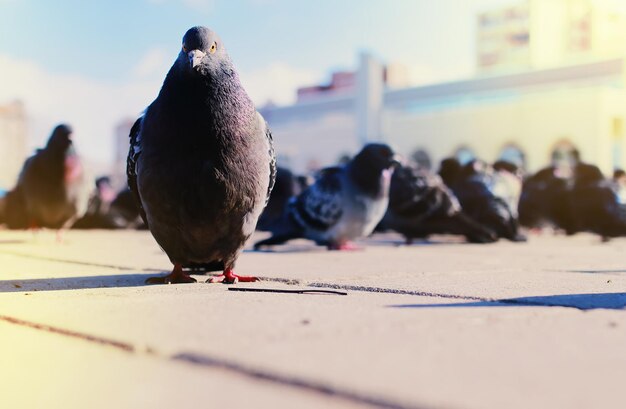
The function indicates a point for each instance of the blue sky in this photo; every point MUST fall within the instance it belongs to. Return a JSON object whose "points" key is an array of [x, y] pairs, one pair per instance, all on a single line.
{"points": [[91, 63]]}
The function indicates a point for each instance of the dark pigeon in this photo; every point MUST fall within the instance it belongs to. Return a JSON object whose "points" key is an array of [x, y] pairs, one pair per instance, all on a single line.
{"points": [[287, 186], [544, 201], [125, 208], [345, 203], [99, 214], [51, 189], [201, 163], [14, 210], [473, 186], [595, 204], [420, 205]]}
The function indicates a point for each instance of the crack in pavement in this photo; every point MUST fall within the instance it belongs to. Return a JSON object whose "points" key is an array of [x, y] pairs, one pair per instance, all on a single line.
{"points": [[207, 361]]}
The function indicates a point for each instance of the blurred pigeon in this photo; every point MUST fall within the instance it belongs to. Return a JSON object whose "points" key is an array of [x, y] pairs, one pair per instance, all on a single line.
{"points": [[473, 185], [3, 204], [201, 162], [507, 184], [420, 205], [14, 210], [345, 203], [124, 208], [619, 178], [594, 203], [287, 186], [99, 214], [51, 184], [544, 201]]}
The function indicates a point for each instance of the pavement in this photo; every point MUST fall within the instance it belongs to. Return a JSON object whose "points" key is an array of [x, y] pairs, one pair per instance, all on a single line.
{"points": [[438, 324]]}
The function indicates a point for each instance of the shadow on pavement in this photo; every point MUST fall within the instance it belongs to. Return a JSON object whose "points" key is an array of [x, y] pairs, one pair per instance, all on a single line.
{"points": [[73, 283], [612, 301]]}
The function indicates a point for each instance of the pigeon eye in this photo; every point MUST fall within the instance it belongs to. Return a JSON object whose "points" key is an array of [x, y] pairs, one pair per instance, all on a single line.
{"points": [[184, 49], [213, 47]]}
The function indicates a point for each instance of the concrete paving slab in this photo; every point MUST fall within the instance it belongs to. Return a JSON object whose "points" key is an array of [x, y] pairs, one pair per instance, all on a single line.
{"points": [[435, 338], [396, 348], [47, 370]]}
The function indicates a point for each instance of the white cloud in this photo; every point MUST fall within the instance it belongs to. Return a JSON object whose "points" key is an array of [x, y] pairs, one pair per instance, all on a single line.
{"points": [[277, 82], [92, 107]]}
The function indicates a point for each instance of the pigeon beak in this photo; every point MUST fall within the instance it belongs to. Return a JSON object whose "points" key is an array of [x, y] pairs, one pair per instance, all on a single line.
{"points": [[195, 57]]}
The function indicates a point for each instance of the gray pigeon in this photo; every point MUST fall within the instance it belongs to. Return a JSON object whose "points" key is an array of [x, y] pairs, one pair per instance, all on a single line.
{"points": [[51, 186], [345, 203], [201, 163]]}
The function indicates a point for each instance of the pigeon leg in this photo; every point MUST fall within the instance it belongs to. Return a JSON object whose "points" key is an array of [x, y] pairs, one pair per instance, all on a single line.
{"points": [[175, 277], [229, 277]]}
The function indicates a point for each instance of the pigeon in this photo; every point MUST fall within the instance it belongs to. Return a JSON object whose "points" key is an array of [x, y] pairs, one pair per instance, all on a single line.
{"points": [[619, 179], [287, 185], [13, 210], [595, 204], [473, 186], [124, 209], [420, 205], [51, 184], [343, 204], [544, 201], [507, 184], [3, 205], [201, 162], [99, 214]]}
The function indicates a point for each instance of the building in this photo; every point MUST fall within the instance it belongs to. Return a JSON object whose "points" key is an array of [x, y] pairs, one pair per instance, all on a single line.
{"points": [[537, 97], [540, 34], [13, 142], [122, 144]]}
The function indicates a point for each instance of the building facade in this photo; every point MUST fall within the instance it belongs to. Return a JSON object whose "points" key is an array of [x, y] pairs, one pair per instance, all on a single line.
{"points": [[13, 142], [122, 144], [521, 105]]}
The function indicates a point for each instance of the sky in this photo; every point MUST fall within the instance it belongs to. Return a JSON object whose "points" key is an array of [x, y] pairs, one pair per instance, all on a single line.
{"points": [[93, 63]]}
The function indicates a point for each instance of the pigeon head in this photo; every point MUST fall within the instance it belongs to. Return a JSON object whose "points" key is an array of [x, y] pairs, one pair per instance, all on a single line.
{"points": [[450, 170], [61, 139], [202, 51], [376, 156], [371, 169]]}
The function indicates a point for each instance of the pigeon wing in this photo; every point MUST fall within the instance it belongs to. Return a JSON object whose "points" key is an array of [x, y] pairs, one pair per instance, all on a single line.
{"points": [[131, 165], [320, 206], [272, 154]]}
